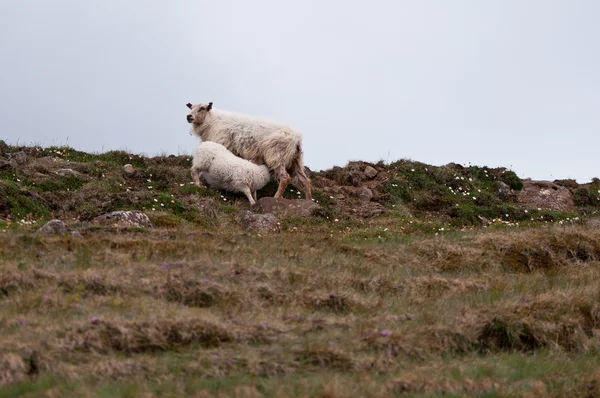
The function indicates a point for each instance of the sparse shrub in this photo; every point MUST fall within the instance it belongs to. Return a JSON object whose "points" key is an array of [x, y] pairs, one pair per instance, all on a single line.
{"points": [[59, 183], [436, 198], [583, 197], [464, 214], [20, 204], [399, 190], [3, 147], [500, 334], [511, 179], [119, 158]]}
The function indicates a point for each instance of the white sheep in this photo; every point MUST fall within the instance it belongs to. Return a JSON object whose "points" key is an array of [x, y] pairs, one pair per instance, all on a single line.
{"points": [[261, 141], [223, 170]]}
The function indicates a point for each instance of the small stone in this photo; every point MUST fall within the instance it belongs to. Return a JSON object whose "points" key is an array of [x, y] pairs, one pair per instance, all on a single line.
{"points": [[53, 227], [4, 164], [370, 172], [128, 168]]}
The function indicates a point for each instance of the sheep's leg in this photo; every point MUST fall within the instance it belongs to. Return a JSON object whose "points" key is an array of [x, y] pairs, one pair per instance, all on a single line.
{"points": [[254, 196], [284, 179], [248, 194], [303, 178], [196, 176]]}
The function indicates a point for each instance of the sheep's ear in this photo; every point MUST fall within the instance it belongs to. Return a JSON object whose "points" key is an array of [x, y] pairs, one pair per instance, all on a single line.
{"points": [[209, 107], [189, 105]]}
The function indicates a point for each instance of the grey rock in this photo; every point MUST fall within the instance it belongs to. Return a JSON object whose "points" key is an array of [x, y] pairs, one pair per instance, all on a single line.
{"points": [[67, 173], [128, 169], [364, 194], [53, 227], [503, 190], [545, 195], [370, 172], [368, 210], [289, 207], [258, 222], [593, 223], [4, 164], [124, 219], [76, 234], [17, 158]]}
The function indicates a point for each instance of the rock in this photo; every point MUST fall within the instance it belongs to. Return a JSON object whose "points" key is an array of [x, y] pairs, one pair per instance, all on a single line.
{"points": [[369, 210], [364, 194], [17, 158], [455, 166], [53, 227], [290, 207], [4, 164], [545, 195], [258, 222], [567, 183], [504, 190], [340, 196], [67, 173], [128, 169], [593, 223], [76, 234], [370, 172], [124, 219], [351, 175]]}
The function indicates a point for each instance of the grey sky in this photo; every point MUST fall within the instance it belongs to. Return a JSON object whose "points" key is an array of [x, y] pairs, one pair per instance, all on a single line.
{"points": [[511, 83]]}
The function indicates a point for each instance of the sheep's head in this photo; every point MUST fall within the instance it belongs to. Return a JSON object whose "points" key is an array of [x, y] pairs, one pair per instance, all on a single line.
{"points": [[198, 112]]}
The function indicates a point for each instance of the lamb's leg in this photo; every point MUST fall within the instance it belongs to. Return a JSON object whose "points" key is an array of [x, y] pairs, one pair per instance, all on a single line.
{"points": [[254, 196], [196, 176], [284, 179], [248, 194]]}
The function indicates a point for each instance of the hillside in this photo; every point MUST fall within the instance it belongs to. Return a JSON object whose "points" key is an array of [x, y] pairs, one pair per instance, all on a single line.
{"points": [[37, 184], [404, 279]]}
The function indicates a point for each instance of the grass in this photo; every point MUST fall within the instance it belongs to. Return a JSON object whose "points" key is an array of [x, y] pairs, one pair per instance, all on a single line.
{"points": [[440, 295], [178, 312]]}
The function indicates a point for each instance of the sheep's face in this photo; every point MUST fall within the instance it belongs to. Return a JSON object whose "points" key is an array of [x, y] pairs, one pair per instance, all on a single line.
{"points": [[198, 113]]}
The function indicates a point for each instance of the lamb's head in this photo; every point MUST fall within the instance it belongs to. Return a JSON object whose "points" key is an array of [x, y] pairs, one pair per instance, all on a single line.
{"points": [[198, 112]]}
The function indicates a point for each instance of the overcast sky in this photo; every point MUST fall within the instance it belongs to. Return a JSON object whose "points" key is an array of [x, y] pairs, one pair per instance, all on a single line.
{"points": [[512, 83]]}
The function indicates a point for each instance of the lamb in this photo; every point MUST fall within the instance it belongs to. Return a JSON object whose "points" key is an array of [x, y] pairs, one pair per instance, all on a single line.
{"points": [[222, 169], [261, 141]]}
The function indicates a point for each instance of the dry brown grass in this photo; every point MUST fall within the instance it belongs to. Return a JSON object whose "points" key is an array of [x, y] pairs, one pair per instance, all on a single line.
{"points": [[180, 311]]}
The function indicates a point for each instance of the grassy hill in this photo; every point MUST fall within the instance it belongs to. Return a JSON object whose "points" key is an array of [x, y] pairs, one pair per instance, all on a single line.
{"points": [[416, 280]]}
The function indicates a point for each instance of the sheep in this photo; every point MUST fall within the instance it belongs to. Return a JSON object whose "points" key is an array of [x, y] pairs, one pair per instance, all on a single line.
{"points": [[261, 141], [222, 169]]}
